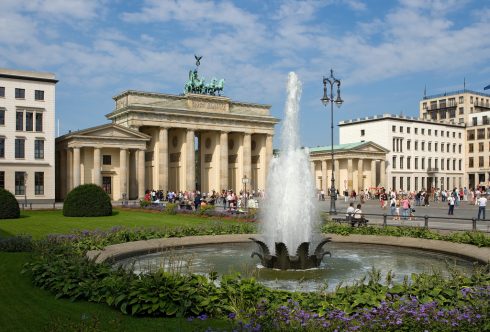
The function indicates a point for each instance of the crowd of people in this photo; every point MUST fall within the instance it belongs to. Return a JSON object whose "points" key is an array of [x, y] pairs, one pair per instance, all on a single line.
{"points": [[193, 200]]}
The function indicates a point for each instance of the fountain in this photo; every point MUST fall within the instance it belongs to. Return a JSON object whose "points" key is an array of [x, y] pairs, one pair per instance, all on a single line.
{"points": [[289, 214]]}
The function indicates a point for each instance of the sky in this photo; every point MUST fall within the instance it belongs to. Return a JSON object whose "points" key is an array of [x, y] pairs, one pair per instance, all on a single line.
{"points": [[385, 52]]}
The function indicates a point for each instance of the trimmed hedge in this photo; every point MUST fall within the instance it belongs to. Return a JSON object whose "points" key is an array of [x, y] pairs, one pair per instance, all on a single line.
{"points": [[9, 207], [87, 200]]}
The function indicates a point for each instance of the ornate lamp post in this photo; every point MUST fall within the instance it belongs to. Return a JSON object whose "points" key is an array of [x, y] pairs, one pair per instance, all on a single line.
{"points": [[326, 99], [245, 180]]}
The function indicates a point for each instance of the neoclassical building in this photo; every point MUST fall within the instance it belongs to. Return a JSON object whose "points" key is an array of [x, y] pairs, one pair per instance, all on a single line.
{"points": [[169, 142], [357, 166]]}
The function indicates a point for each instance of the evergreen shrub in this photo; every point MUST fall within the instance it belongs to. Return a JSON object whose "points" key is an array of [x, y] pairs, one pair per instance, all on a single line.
{"points": [[87, 200], [9, 207]]}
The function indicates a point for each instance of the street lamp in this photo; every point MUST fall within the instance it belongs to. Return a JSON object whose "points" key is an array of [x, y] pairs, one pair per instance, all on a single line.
{"points": [[245, 180], [326, 99]]}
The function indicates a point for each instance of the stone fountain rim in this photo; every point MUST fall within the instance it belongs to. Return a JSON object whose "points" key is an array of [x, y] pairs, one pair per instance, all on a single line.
{"points": [[116, 252]]}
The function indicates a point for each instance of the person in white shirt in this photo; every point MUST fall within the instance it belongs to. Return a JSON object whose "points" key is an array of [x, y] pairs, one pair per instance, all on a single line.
{"points": [[482, 204], [349, 214], [450, 202]]}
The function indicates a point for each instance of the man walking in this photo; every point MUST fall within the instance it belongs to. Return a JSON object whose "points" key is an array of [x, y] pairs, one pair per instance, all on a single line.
{"points": [[482, 204]]}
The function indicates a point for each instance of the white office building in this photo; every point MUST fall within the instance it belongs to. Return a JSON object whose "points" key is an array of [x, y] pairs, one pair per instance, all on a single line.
{"points": [[27, 134], [423, 154]]}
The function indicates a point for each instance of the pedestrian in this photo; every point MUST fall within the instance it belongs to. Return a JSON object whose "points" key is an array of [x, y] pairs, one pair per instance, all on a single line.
{"points": [[405, 205], [450, 202], [482, 204], [393, 207]]}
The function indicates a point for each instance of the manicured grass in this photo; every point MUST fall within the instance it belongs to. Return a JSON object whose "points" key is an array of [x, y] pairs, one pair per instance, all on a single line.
{"points": [[25, 307], [41, 223]]}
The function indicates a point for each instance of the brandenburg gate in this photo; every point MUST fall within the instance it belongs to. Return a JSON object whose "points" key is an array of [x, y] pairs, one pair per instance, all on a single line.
{"points": [[194, 141]]}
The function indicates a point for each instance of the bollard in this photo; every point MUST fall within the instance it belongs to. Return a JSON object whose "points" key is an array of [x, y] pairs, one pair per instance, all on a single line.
{"points": [[474, 223], [426, 221], [385, 223]]}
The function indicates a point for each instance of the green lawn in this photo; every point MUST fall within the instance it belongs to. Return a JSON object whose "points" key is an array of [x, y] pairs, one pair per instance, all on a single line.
{"points": [[25, 307], [40, 223]]}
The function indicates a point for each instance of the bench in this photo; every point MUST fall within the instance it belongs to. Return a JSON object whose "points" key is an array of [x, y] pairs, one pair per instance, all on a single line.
{"points": [[351, 221]]}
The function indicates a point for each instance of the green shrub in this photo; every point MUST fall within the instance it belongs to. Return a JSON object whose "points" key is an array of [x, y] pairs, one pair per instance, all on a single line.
{"points": [[144, 203], [9, 207], [87, 200], [206, 210], [170, 208], [20, 243]]}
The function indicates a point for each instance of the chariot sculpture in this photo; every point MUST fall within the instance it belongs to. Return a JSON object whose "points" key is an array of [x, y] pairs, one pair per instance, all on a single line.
{"points": [[196, 84]]}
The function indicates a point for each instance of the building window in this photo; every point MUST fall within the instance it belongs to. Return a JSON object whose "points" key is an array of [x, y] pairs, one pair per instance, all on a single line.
{"points": [[460, 166], [2, 91], [474, 121], [2, 117], [20, 148], [480, 134], [471, 99], [39, 122], [471, 162], [448, 147], [106, 159], [480, 161], [416, 164], [20, 93], [393, 128], [408, 183], [409, 160], [39, 95], [408, 144], [488, 133], [423, 163], [19, 121], [442, 164], [20, 187], [423, 131], [481, 147], [435, 132], [401, 129], [39, 149], [442, 147], [2, 179], [401, 162], [362, 132], [39, 183], [29, 121], [416, 131], [416, 179], [454, 134], [430, 132], [423, 146], [408, 130], [435, 147], [429, 146], [416, 145], [460, 147], [394, 162], [401, 182], [393, 183], [2, 147], [447, 133], [470, 147], [447, 164], [454, 164], [461, 99]]}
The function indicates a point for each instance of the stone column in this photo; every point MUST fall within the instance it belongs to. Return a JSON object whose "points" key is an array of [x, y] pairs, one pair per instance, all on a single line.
{"points": [[190, 161], [268, 152], [69, 170], [373, 173], [76, 167], [223, 162], [123, 172], [141, 173], [325, 185], [62, 174], [337, 174], [247, 156], [97, 177], [360, 167], [382, 174], [163, 159], [350, 183]]}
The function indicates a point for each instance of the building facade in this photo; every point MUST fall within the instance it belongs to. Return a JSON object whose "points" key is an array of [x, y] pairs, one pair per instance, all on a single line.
{"points": [[422, 154], [478, 150], [357, 166], [170, 142], [471, 108], [27, 134]]}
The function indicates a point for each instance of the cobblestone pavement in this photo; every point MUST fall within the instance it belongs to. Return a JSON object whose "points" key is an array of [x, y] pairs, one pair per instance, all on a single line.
{"points": [[439, 210]]}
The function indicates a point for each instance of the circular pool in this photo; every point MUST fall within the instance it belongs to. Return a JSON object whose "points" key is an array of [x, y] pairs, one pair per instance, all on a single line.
{"points": [[349, 262]]}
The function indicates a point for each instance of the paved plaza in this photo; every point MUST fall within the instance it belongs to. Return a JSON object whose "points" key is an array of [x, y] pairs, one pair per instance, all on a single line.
{"points": [[438, 210]]}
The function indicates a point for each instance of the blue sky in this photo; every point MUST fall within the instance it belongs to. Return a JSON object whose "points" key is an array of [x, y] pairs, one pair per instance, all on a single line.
{"points": [[384, 52]]}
